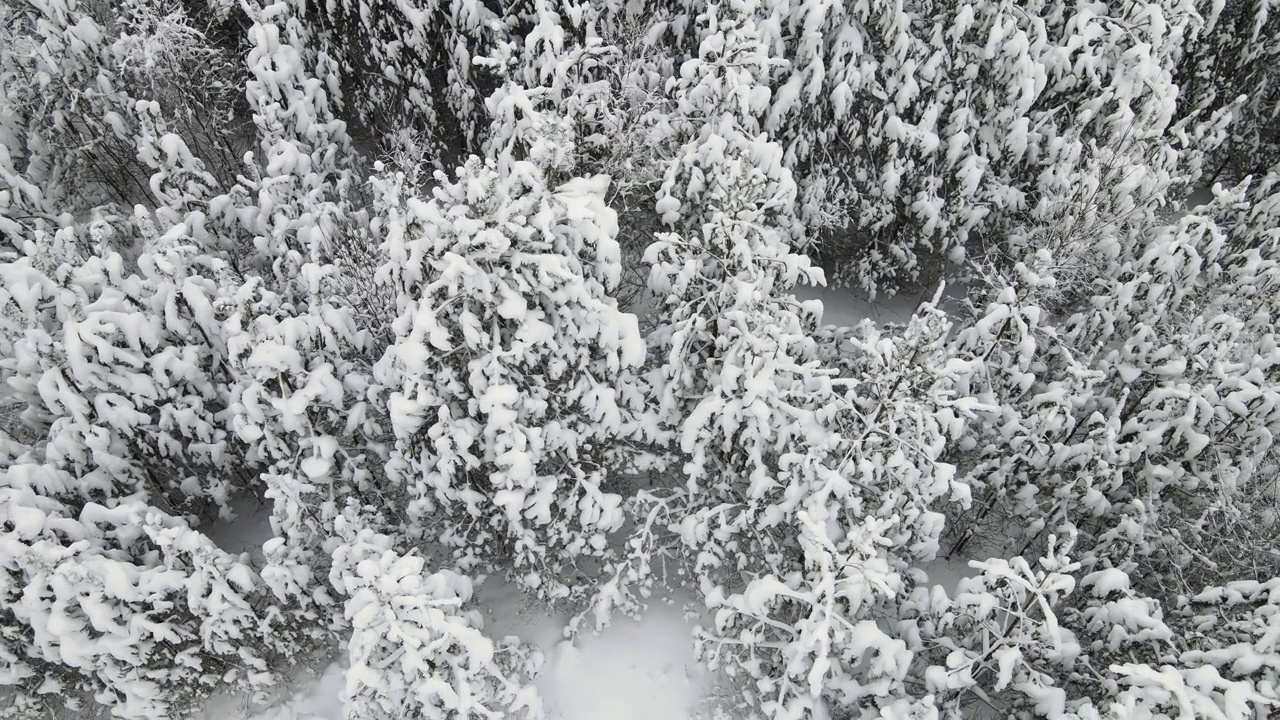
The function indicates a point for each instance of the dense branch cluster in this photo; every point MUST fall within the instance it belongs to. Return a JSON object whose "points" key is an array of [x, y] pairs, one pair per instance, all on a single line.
{"points": [[466, 288]]}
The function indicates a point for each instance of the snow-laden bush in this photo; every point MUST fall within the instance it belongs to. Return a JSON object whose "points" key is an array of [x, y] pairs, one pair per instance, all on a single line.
{"points": [[123, 375], [302, 340], [415, 650], [1134, 421], [1151, 403], [302, 407], [294, 207], [1049, 640], [855, 503], [921, 131], [409, 66], [999, 643], [729, 203], [87, 89], [1234, 62], [124, 604]]}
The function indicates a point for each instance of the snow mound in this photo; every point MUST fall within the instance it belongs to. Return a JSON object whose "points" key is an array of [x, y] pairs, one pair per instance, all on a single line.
{"points": [[633, 670], [322, 700]]}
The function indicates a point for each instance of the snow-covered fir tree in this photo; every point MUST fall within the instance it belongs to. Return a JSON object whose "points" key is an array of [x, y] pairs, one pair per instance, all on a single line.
{"points": [[415, 649], [505, 373], [125, 375], [789, 551], [123, 605]]}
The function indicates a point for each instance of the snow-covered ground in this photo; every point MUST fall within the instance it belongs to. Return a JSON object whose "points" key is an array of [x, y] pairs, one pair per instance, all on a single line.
{"points": [[247, 533], [633, 670], [848, 306]]}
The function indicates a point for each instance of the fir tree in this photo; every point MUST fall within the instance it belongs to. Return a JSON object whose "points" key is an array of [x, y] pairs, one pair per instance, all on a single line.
{"points": [[503, 375]]}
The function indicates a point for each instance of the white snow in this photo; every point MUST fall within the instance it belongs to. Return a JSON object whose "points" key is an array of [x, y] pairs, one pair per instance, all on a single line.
{"points": [[246, 534], [632, 670], [947, 572], [318, 699], [848, 306]]}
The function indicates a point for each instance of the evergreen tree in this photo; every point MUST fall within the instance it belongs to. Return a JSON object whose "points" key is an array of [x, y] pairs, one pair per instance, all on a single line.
{"points": [[504, 397], [123, 605], [1232, 59], [124, 375], [413, 648], [792, 554], [407, 66]]}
